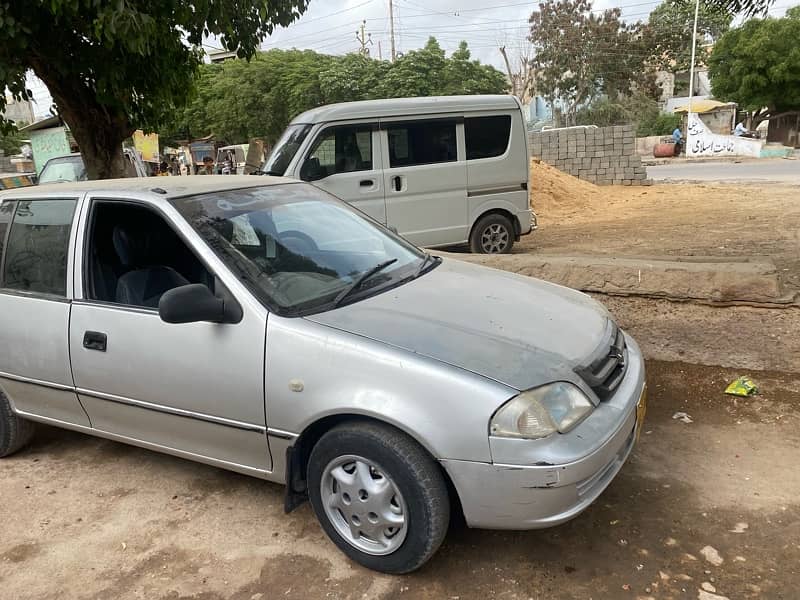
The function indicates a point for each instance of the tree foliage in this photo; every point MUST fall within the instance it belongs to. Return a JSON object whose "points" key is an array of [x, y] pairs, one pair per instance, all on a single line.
{"points": [[11, 141], [757, 65], [239, 100], [638, 108], [669, 31], [580, 55], [113, 65]]}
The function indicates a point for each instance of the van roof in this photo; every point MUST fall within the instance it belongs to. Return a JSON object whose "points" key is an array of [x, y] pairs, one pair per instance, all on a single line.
{"points": [[393, 107], [168, 187]]}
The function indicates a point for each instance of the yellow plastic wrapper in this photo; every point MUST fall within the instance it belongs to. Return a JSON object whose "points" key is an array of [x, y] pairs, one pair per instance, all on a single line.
{"points": [[744, 386]]}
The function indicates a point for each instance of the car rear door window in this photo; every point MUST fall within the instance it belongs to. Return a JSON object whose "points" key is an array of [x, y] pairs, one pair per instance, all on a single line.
{"points": [[422, 143], [37, 247], [486, 137]]}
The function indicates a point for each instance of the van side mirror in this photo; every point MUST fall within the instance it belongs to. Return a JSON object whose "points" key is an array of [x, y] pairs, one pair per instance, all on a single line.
{"points": [[311, 170], [194, 303]]}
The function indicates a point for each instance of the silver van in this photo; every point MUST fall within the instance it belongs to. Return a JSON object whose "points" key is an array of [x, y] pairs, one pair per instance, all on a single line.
{"points": [[439, 170], [261, 325]]}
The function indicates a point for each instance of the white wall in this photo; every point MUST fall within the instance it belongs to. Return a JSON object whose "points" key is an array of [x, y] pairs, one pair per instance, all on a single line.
{"points": [[701, 142]]}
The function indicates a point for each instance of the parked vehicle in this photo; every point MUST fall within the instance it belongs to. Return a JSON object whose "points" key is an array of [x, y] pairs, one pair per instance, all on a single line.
{"points": [[260, 325], [440, 170], [231, 160], [64, 169]]}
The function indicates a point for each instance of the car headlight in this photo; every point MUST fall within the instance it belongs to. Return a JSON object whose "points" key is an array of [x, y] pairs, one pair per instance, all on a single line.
{"points": [[556, 407]]}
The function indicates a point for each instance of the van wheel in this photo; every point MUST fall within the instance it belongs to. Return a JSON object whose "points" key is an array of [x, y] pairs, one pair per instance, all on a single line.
{"points": [[378, 495], [15, 432], [492, 234]]}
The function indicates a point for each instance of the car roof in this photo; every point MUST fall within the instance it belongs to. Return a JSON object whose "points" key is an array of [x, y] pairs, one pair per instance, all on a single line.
{"points": [[395, 107], [167, 187]]}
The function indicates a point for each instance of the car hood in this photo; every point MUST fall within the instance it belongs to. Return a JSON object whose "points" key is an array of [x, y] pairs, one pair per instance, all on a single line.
{"points": [[520, 331]]}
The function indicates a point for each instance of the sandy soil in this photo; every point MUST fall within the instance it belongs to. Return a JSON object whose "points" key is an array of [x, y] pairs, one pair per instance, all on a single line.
{"points": [[732, 221]]}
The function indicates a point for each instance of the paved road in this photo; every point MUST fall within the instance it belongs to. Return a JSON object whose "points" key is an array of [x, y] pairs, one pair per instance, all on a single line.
{"points": [[784, 171]]}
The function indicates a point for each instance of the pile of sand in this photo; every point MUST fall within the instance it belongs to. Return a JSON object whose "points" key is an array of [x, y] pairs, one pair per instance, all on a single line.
{"points": [[554, 192]]}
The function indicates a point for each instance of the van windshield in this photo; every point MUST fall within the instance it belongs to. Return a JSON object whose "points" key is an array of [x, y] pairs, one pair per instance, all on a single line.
{"points": [[284, 151]]}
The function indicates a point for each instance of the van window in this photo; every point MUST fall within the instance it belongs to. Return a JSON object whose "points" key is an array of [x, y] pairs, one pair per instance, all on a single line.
{"points": [[422, 143], [487, 136], [36, 254], [343, 149]]}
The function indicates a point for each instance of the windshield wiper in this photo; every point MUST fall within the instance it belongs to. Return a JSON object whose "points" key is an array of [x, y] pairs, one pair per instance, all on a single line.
{"points": [[361, 279], [425, 261]]}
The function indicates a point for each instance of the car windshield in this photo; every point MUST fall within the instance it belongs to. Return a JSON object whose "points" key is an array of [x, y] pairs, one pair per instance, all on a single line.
{"points": [[299, 249], [66, 168], [284, 151]]}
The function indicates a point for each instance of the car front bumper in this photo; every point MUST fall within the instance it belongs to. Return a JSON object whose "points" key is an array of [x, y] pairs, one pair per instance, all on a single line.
{"points": [[534, 496]]}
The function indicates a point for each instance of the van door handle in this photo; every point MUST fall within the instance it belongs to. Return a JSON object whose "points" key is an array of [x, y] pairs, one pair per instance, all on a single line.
{"points": [[397, 181], [366, 182], [95, 340]]}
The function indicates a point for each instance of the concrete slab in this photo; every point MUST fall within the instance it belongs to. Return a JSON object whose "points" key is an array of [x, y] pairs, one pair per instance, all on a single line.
{"points": [[711, 280]]}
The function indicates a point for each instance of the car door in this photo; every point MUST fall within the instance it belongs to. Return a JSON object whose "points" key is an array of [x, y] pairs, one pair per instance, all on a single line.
{"points": [[345, 160], [426, 179], [35, 240], [194, 389]]}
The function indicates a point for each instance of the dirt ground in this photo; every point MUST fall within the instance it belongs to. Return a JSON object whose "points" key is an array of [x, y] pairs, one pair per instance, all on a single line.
{"points": [[667, 220], [712, 504]]}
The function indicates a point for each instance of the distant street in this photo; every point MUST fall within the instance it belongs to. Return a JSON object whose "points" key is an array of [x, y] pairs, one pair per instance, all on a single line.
{"points": [[786, 171]]}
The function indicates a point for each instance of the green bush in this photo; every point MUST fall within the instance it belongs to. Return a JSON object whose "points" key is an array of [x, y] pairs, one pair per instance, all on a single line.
{"points": [[638, 109], [661, 124]]}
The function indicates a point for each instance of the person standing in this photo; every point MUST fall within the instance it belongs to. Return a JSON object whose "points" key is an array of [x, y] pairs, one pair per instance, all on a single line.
{"points": [[677, 139]]}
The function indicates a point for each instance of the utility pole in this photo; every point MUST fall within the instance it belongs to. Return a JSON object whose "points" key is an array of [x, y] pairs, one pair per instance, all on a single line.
{"points": [[380, 53], [364, 39], [694, 45], [391, 30]]}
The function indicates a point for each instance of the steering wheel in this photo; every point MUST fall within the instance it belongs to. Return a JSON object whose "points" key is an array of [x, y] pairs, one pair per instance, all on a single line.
{"points": [[298, 242]]}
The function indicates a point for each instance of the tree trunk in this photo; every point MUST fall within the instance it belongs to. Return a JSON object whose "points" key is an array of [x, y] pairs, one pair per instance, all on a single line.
{"points": [[98, 129]]}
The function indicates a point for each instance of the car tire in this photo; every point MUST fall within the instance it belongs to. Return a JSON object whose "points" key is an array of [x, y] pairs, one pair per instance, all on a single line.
{"points": [[15, 431], [492, 234], [392, 478]]}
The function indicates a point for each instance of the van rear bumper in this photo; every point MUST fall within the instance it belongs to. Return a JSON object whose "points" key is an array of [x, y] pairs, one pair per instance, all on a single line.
{"points": [[527, 222]]}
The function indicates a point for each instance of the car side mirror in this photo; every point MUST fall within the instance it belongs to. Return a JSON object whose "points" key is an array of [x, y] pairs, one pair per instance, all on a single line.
{"points": [[194, 303]]}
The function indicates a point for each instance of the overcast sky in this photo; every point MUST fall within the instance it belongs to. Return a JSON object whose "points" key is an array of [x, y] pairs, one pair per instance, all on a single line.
{"points": [[330, 26]]}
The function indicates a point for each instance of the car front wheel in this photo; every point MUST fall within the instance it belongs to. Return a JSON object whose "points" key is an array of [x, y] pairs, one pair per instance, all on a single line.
{"points": [[379, 496]]}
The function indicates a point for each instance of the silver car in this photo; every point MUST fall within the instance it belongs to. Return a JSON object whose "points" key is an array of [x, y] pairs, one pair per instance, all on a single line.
{"points": [[261, 325]]}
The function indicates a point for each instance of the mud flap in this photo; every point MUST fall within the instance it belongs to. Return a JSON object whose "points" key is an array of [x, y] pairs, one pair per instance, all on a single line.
{"points": [[296, 487]]}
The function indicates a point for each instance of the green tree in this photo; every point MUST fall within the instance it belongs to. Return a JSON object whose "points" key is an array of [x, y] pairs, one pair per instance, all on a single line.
{"points": [[757, 65], [581, 55], [669, 31], [11, 141], [113, 65], [464, 76], [238, 100]]}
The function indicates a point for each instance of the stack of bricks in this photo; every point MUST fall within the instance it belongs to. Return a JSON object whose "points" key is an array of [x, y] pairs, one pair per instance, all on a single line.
{"points": [[605, 155]]}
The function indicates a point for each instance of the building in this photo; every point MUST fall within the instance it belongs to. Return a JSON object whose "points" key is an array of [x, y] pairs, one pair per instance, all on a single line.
{"points": [[19, 111]]}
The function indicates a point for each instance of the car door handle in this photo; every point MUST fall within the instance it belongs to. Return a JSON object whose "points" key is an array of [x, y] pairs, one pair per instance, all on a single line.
{"points": [[366, 182], [95, 340], [397, 183]]}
